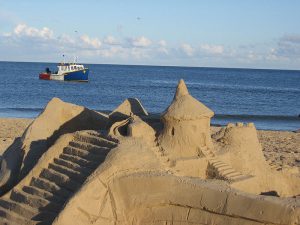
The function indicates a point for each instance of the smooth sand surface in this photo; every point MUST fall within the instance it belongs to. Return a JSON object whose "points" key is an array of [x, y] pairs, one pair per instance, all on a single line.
{"points": [[281, 148], [11, 128]]}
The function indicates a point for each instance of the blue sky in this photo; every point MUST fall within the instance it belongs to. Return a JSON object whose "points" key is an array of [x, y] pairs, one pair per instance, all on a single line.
{"points": [[232, 33]]}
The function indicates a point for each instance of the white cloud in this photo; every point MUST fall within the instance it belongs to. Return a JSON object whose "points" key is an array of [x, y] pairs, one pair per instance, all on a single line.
{"points": [[288, 46], [40, 43], [212, 49], [91, 42], [22, 30], [187, 49], [66, 40], [163, 47], [140, 42], [111, 40], [162, 43]]}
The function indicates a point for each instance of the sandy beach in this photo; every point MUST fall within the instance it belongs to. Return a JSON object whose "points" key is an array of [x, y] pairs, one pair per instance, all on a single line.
{"points": [[281, 148], [11, 128]]}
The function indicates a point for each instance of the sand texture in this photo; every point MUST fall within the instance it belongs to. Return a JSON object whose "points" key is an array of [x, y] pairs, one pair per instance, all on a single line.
{"points": [[10, 128], [75, 166], [280, 148]]}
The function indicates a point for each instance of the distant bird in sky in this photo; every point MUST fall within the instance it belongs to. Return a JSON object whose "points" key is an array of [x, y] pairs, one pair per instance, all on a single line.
{"points": [[138, 18]]}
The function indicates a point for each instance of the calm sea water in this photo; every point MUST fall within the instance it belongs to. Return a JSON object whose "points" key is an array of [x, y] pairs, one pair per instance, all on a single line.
{"points": [[270, 98]]}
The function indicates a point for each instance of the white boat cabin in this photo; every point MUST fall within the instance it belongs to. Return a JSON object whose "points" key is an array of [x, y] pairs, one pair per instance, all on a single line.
{"points": [[67, 68]]}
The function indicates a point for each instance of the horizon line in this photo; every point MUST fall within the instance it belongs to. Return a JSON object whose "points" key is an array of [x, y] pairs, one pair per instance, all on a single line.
{"points": [[151, 65]]}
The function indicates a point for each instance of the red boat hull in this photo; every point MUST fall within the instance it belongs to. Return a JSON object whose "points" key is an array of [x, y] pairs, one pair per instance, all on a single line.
{"points": [[44, 76]]}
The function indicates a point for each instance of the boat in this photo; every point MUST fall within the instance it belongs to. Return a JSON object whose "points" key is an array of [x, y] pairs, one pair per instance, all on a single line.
{"points": [[67, 72]]}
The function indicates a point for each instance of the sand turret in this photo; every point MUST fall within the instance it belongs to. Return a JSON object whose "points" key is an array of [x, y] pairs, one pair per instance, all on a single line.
{"points": [[186, 125]]}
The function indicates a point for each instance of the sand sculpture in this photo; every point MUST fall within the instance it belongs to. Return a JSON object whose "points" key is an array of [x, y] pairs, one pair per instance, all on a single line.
{"points": [[130, 173], [186, 126], [126, 108], [57, 119]]}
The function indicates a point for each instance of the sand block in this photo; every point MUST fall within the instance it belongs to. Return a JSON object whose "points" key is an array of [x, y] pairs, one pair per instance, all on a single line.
{"points": [[193, 167], [139, 196], [264, 209], [127, 108], [137, 128], [243, 150]]}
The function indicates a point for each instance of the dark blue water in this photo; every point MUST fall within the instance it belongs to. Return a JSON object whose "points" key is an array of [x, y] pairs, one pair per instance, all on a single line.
{"points": [[270, 98]]}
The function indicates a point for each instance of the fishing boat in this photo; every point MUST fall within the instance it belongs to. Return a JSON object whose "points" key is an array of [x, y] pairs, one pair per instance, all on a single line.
{"points": [[67, 72]]}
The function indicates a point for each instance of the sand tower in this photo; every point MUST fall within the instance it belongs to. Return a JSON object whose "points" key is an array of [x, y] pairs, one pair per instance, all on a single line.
{"points": [[186, 126]]}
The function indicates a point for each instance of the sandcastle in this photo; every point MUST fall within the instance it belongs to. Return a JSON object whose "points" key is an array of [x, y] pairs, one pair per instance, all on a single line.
{"points": [[120, 169], [186, 126]]}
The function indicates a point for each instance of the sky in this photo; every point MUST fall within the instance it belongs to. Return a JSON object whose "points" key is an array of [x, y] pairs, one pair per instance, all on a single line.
{"points": [[223, 33]]}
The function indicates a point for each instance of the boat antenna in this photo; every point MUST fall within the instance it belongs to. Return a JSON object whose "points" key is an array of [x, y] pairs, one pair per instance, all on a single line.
{"points": [[75, 59], [75, 55]]}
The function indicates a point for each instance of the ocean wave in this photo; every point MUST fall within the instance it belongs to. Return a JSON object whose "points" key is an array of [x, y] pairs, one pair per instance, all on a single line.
{"points": [[258, 117], [242, 116], [21, 109], [226, 86]]}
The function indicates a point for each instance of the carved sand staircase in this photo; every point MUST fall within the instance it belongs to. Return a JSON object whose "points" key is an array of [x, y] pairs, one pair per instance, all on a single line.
{"points": [[45, 196], [221, 170]]}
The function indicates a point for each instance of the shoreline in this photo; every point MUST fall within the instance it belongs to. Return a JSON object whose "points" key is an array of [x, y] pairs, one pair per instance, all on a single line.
{"points": [[262, 122]]}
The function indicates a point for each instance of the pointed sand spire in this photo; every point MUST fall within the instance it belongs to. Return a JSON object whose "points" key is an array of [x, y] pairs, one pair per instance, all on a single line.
{"points": [[181, 89], [184, 106]]}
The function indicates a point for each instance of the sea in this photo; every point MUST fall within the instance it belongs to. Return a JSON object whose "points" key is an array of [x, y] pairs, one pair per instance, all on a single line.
{"points": [[269, 98]]}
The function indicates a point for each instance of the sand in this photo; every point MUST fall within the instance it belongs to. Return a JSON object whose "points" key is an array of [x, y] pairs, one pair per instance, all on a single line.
{"points": [[281, 148], [75, 166], [11, 128]]}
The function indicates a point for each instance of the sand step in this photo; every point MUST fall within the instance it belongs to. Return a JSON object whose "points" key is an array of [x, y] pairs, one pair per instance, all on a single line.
{"points": [[24, 210], [4, 221], [207, 152], [226, 172], [91, 139], [79, 177], [89, 147], [44, 217], [73, 166], [229, 173], [12, 217], [43, 194], [34, 201], [99, 134], [60, 179], [80, 161], [222, 168], [218, 163], [83, 154], [241, 178], [41, 200], [50, 187]]}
